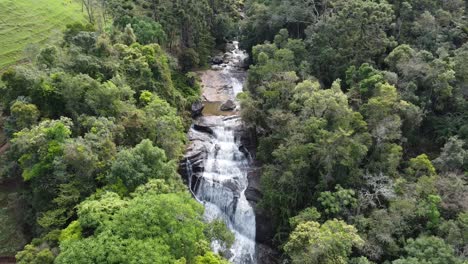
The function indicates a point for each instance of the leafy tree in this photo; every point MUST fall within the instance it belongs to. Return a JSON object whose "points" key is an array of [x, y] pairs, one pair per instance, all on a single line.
{"points": [[32, 255], [353, 33], [136, 166], [454, 233], [335, 203], [420, 166], [331, 242], [22, 115], [428, 250], [148, 31], [453, 156], [120, 234], [310, 214]]}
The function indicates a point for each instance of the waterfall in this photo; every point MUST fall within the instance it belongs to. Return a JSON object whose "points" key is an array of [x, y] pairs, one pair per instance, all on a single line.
{"points": [[222, 188], [223, 182]]}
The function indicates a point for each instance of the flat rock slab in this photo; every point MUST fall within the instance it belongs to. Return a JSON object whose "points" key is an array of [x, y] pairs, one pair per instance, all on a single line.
{"points": [[214, 83]]}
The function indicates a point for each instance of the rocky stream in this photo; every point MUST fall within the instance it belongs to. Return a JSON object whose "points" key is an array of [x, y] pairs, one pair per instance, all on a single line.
{"points": [[218, 165]]}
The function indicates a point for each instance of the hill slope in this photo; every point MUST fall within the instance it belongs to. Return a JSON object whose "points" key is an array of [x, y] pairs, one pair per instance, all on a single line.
{"points": [[29, 24]]}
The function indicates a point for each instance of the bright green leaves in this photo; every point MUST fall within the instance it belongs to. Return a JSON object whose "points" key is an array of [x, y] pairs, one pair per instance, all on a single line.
{"points": [[98, 211], [33, 255], [210, 258], [22, 115], [108, 98], [335, 203], [72, 232], [310, 214], [152, 227], [429, 208], [424, 80], [108, 248], [419, 167], [39, 146], [331, 242]]}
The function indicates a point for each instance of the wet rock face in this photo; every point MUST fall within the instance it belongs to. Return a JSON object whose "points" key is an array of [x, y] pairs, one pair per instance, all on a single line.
{"points": [[230, 47], [217, 60], [264, 228], [266, 255], [197, 109]]}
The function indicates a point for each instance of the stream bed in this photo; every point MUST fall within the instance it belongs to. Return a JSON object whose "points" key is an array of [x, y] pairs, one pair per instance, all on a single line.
{"points": [[216, 164]]}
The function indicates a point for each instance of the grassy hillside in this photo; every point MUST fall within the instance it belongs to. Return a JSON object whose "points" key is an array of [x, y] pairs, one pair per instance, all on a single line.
{"points": [[28, 24]]}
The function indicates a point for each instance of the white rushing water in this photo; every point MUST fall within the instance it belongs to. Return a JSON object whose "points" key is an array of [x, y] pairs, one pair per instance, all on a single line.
{"points": [[224, 181]]}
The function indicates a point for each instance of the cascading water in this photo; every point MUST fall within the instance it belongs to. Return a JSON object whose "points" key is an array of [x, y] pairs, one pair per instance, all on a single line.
{"points": [[223, 182]]}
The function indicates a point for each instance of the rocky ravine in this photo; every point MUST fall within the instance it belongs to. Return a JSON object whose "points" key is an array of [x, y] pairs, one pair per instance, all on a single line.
{"points": [[220, 84]]}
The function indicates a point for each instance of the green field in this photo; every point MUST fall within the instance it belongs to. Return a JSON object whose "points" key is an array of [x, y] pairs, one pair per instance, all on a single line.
{"points": [[28, 24]]}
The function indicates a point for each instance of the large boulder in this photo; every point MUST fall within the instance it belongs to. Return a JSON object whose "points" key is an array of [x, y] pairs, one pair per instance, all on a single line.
{"points": [[229, 105], [203, 128], [230, 47], [216, 60], [197, 109]]}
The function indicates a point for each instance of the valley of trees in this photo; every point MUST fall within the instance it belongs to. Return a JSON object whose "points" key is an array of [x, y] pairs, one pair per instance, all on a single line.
{"points": [[361, 113], [359, 108]]}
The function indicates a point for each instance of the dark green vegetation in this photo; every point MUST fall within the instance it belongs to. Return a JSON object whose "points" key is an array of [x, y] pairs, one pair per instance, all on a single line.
{"points": [[361, 112], [96, 126]]}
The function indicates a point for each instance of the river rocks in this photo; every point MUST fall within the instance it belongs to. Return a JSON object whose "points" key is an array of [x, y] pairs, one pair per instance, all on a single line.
{"points": [[229, 105], [197, 109], [203, 128], [193, 163], [232, 184], [217, 60], [230, 47]]}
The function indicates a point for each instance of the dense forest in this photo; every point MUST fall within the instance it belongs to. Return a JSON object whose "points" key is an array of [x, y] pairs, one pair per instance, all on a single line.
{"points": [[359, 109], [361, 115]]}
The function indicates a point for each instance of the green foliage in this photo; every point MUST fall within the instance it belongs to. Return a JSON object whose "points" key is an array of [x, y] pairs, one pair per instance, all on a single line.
{"points": [[210, 258], [453, 156], [419, 167], [351, 34], [22, 115], [33, 255], [72, 232], [429, 209], [217, 230], [310, 214], [120, 234], [148, 31], [331, 242], [117, 96], [431, 250], [342, 147], [334, 203], [38, 147], [136, 166], [404, 95], [455, 233]]}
